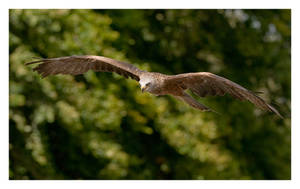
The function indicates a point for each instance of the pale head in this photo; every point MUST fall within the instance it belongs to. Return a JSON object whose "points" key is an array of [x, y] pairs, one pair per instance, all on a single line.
{"points": [[146, 83]]}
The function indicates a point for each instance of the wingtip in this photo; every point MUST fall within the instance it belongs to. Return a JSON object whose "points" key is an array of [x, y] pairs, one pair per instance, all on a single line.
{"points": [[258, 92], [279, 115], [33, 62], [38, 60], [272, 109], [211, 110]]}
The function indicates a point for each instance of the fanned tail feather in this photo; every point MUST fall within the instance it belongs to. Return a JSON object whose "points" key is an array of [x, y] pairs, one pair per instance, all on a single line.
{"points": [[194, 103]]}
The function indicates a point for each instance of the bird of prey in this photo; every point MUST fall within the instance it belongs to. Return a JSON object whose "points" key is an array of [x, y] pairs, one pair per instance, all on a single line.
{"points": [[200, 83]]}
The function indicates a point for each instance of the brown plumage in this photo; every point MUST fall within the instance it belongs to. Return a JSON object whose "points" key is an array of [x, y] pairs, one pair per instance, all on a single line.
{"points": [[76, 65], [201, 83]]}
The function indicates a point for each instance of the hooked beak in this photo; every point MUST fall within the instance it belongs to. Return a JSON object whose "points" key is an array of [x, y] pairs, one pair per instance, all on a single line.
{"points": [[143, 88]]}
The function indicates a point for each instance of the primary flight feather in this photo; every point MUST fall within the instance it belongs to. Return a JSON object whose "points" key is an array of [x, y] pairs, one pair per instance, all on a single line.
{"points": [[200, 83]]}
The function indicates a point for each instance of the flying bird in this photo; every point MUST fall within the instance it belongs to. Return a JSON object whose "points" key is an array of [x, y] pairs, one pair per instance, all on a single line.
{"points": [[200, 83]]}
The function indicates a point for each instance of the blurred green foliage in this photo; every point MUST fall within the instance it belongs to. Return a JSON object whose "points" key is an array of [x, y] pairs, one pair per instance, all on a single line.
{"points": [[100, 125]]}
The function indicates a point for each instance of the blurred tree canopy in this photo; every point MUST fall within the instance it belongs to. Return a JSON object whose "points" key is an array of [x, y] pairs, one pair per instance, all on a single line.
{"points": [[100, 125]]}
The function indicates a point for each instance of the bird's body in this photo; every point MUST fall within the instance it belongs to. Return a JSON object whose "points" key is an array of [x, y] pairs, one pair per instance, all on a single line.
{"points": [[155, 81], [200, 83], [158, 84]]}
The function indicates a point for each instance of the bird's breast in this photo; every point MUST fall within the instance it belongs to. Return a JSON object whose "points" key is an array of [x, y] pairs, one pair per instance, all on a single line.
{"points": [[167, 88]]}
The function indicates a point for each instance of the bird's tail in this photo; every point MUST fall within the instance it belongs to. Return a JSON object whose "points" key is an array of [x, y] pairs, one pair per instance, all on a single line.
{"points": [[195, 104]]}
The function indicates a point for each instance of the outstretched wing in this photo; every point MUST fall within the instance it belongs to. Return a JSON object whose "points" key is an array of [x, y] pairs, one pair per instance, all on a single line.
{"points": [[204, 84], [75, 65]]}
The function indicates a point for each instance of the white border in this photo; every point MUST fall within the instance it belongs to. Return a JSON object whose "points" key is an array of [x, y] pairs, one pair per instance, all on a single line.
{"points": [[260, 4], [187, 4], [4, 96]]}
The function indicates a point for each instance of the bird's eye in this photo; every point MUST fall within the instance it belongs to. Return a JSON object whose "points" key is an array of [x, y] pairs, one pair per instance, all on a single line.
{"points": [[147, 84]]}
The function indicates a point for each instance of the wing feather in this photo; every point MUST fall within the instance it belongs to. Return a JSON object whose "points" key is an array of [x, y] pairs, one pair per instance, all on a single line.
{"points": [[75, 65], [208, 84]]}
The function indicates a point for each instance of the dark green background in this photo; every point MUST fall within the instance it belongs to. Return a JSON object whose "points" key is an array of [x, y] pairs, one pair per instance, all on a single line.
{"points": [[100, 125]]}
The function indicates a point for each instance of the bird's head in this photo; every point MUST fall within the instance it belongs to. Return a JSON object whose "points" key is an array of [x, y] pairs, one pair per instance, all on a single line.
{"points": [[146, 84]]}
